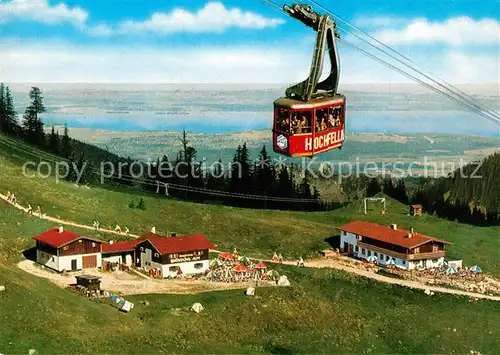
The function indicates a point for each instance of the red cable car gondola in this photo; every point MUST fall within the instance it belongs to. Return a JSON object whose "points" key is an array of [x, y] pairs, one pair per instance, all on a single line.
{"points": [[310, 118]]}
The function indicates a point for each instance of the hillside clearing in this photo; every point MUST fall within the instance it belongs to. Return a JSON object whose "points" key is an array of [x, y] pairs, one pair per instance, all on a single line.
{"points": [[127, 284]]}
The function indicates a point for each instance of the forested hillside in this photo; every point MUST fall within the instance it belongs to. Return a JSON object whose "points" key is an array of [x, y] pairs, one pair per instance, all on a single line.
{"points": [[183, 176], [471, 194]]}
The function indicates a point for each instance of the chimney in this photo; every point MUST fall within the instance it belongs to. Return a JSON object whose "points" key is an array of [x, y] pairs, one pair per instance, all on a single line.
{"points": [[394, 226], [153, 230], [61, 229], [409, 235], [412, 230]]}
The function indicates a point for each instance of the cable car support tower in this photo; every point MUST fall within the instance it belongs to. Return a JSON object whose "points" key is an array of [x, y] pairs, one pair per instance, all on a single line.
{"points": [[327, 33]]}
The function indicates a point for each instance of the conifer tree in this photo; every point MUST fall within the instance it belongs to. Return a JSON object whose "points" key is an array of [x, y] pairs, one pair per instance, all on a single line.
{"points": [[265, 181], [12, 127], [33, 125], [65, 143], [3, 123], [54, 146]]}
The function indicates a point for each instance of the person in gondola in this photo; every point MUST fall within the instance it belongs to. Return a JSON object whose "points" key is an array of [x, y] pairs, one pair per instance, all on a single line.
{"points": [[275, 257], [295, 125], [331, 121], [337, 117], [318, 124], [304, 125], [323, 125], [280, 258]]}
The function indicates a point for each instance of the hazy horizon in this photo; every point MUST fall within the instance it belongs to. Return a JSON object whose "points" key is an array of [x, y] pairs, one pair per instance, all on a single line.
{"points": [[218, 108]]}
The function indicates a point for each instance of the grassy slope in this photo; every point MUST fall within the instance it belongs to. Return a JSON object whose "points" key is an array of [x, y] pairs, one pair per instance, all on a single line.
{"points": [[325, 311], [256, 232]]}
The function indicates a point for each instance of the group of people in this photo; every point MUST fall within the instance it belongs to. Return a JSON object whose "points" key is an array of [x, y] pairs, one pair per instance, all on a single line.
{"points": [[12, 198], [300, 122], [461, 272], [97, 227], [278, 258]]}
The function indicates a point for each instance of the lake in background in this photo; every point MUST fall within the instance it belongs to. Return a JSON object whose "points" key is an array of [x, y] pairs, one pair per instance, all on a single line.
{"points": [[225, 109]]}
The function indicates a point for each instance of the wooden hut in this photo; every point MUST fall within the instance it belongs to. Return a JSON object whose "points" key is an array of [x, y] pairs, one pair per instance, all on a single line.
{"points": [[415, 210], [91, 282]]}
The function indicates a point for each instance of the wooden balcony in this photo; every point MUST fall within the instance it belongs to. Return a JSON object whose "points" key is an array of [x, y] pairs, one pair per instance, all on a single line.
{"points": [[431, 255], [383, 251], [421, 256]]}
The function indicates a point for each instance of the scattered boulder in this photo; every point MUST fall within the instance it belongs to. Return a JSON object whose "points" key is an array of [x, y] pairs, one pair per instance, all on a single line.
{"points": [[146, 303], [283, 281], [197, 307], [2, 288], [427, 292], [127, 306], [31, 352], [250, 291]]}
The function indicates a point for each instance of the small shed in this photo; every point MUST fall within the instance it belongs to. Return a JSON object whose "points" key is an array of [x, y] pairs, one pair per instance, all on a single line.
{"points": [[415, 210], [91, 282]]}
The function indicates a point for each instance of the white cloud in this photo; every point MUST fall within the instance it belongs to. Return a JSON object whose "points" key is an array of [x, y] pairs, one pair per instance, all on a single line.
{"points": [[41, 11], [213, 17], [100, 30], [62, 62], [457, 31], [379, 21]]}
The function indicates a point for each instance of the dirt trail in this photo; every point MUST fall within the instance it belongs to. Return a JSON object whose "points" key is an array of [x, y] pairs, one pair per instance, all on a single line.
{"points": [[128, 284], [176, 286], [65, 222], [331, 263]]}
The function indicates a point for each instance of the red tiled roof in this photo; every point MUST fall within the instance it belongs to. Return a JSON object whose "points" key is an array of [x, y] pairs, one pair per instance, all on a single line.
{"points": [[385, 234], [181, 244], [120, 246], [54, 238]]}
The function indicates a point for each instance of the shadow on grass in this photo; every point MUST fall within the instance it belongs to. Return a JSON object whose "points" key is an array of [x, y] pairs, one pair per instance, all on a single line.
{"points": [[30, 254], [333, 241]]}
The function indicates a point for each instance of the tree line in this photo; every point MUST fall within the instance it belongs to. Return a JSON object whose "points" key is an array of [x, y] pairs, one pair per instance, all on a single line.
{"points": [[470, 194], [190, 178]]}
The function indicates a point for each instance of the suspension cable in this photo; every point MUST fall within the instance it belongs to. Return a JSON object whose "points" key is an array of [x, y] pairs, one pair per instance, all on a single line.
{"points": [[469, 100], [457, 92], [479, 112], [464, 102], [173, 186]]}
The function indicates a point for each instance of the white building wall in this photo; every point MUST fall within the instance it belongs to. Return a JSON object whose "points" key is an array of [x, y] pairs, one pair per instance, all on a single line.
{"points": [[351, 238], [426, 264], [118, 258], [112, 258], [146, 257], [188, 268], [65, 261], [128, 259], [48, 260]]}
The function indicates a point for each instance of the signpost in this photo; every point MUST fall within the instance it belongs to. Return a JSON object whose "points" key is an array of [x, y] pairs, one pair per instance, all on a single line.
{"points": [[375, 199]]}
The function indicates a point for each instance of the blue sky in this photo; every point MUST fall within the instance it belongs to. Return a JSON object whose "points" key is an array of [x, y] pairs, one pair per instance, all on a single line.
{"points": [[236, 40]]}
